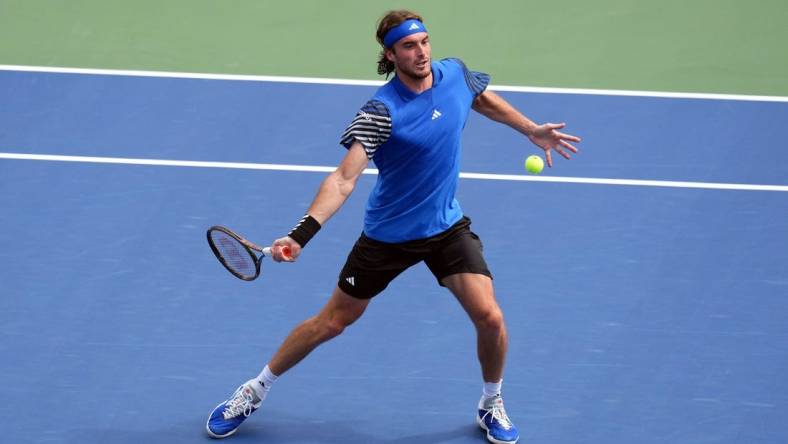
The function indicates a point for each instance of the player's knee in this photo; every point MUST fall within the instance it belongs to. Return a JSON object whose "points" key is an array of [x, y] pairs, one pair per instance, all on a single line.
{"points": [[333, 327], [490, 320], [333, 320]]}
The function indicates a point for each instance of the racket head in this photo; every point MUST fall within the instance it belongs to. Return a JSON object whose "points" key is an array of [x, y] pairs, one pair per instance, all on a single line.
{"points": [[234, 252]]}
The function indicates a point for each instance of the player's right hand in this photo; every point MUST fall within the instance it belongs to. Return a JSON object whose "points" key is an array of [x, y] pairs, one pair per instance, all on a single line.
{"points": [[281, 245]]}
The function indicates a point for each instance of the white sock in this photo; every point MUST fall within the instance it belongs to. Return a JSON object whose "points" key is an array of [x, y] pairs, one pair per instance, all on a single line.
{"points": [[491, 389], [264, 380]]}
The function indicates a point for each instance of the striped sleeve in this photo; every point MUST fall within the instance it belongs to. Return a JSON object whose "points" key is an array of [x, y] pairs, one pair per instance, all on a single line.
{"points": [[477, 81], [371, 127]]}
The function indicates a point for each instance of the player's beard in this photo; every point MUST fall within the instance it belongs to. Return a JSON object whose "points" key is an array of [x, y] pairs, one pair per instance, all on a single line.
{"points": [[414, 74]]}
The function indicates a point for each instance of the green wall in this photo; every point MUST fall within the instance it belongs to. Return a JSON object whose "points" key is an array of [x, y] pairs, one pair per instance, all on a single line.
{"points": [[720, 46]]}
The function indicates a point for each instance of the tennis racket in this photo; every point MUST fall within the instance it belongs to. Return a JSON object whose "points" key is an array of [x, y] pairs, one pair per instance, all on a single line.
{"points": [[238, 255]]}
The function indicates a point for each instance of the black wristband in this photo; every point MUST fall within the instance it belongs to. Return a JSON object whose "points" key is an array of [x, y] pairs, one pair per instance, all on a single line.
{"points": [[307, 227]]}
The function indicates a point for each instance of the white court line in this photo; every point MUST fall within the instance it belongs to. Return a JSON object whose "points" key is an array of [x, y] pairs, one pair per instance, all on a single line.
{"points": [[352, 82], [372, 171]]}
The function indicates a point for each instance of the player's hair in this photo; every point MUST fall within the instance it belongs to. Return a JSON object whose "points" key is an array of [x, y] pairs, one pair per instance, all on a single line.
{"points": [[390, 20]]}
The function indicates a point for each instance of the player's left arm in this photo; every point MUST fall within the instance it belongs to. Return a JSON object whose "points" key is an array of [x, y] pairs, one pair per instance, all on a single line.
{"points": [[545, 136]]}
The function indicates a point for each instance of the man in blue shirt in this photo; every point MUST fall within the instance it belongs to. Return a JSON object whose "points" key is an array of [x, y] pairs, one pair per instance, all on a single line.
{"points": [[411, 130]]}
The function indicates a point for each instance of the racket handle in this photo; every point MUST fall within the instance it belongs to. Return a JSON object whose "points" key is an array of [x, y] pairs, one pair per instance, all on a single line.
{"points": [[286, 251]]}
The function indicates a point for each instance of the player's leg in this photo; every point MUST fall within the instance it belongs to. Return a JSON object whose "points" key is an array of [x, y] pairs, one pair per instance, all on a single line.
{"points": [[340, 311], [458, 264], [476, 295]]}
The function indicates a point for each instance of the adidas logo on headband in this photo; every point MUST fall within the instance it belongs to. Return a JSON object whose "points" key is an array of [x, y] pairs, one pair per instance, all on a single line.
{"points": [[404, 29]]}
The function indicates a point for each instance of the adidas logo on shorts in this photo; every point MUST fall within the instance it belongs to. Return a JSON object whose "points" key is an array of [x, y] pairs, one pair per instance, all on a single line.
{"points": [[351, 280]]}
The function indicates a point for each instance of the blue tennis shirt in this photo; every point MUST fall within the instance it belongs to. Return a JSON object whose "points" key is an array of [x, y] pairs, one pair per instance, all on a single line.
{"points": [[414, 140]]}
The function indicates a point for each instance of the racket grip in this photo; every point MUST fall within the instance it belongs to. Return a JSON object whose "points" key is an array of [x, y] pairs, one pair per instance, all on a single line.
{"points": [[286, 251]]}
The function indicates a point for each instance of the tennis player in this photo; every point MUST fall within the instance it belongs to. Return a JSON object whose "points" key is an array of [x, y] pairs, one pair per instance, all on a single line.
{"points": [[411, 129]]}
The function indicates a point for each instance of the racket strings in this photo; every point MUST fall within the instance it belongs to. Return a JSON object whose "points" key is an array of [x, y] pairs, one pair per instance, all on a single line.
{"points": [[234, 254]]}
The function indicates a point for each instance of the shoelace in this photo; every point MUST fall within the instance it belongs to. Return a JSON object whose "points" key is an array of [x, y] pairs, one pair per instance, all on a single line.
{"points": [[241, 402], [499, 413]]}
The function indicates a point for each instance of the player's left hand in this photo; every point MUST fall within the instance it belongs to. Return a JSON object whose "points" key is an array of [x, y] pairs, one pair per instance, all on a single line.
{"points": [[548, 138]]}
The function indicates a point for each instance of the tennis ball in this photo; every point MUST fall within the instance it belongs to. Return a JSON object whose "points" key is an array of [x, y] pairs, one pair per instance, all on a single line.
{"points": [[534, 164]]}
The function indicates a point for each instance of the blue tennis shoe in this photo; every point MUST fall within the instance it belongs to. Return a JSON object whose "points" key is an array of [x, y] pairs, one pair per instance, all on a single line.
{"points": [[493, 419], [228, 416]]}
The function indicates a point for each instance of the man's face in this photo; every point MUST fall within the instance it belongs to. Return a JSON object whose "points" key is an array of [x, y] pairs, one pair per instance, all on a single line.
{"points": [[412, 55]]}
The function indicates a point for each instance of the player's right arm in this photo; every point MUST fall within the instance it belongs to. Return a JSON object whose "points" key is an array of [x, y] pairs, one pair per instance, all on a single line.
{"points": [[332, 194], [336, 188]]}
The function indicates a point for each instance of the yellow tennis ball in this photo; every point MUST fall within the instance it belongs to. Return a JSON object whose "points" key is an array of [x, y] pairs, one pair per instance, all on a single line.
{"points": [[534, 164]]}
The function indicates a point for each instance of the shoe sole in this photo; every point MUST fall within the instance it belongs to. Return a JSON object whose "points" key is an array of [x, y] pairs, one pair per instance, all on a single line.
{"points": [[208, 426], [490, 438]]}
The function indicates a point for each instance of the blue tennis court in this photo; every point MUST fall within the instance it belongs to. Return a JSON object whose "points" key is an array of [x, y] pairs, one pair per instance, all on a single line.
{"points": [[640, 314]]}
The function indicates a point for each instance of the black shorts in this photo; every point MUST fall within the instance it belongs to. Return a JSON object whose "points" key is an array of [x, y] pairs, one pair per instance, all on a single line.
{"points": [[372, 265]]}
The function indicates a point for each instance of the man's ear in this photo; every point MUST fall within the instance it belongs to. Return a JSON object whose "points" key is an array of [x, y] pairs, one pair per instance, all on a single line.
{"points": [[389, 55]]}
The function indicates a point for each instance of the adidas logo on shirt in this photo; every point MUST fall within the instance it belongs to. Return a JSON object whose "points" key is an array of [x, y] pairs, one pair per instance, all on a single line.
{"points": [[436, 114], [414, 26]]}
